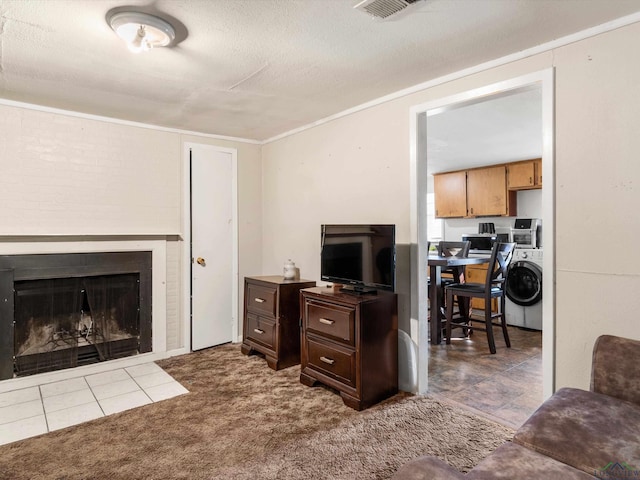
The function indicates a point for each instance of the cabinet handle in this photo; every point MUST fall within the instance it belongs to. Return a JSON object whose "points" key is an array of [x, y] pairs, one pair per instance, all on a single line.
{"points": [[530, 181], [326, 321], [330, 361], [259, 300], [257, 330]]}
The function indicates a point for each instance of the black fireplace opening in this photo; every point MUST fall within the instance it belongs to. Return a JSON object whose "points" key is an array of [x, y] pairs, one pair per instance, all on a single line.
{"points": [[69, 310]]}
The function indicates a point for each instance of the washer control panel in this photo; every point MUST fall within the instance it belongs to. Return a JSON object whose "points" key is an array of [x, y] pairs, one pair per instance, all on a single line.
{"points": [[531, 254]]}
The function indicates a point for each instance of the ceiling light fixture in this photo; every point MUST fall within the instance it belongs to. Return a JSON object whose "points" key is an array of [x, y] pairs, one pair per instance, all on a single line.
{"points": [[141, 31]]}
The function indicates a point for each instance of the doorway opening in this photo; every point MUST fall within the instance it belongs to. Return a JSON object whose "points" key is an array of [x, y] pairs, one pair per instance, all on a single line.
{"points": [[420, 226]]}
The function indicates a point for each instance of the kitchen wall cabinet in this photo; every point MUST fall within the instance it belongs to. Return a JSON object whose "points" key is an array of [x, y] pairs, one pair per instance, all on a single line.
{"points": [[524, 175], [450, 194], [487, 193], [478, 192], [538, 164]]}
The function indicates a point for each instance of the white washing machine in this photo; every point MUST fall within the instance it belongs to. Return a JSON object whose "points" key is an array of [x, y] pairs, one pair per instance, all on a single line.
{"points": [[523, 306]]}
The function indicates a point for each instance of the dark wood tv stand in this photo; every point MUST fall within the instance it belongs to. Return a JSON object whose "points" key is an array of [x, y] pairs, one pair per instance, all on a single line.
{"points": [[350, 343]]}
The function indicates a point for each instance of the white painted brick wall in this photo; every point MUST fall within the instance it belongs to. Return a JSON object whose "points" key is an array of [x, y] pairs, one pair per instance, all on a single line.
{"points": [[66, 175], [174, 288]]}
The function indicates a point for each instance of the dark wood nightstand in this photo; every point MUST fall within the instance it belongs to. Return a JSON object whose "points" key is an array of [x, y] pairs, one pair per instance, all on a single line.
{"points": [[272, 319], [350, 343]]}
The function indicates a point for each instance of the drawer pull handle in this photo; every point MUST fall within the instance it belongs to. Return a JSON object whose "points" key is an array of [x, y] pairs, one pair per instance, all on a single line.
{"points": [[259, 300], [326, 321], [257, 330], [330, 361]]}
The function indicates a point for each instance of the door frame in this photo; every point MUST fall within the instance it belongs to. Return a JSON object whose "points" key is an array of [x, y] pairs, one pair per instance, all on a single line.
{"points": [[186, 237], [418, 214]]}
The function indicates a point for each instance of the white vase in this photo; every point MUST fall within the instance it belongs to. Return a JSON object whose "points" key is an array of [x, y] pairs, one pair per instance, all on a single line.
{"points": [[289, 270]]}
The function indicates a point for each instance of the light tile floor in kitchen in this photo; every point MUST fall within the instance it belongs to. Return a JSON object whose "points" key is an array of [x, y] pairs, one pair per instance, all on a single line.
{"points": [[32, 411], [506, 387]]}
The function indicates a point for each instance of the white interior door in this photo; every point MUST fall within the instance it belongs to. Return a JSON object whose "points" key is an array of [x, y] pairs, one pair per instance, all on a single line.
{"points": [[212, 248]]}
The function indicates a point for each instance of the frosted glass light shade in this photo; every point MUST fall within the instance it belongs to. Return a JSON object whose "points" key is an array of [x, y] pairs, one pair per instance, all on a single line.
{"points": [[141, 31]]}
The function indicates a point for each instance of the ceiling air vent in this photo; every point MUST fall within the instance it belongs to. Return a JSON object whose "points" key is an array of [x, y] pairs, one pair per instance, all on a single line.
{"points": [[383, 8]]}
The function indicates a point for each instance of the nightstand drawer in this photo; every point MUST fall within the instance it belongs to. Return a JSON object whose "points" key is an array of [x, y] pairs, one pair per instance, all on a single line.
{"points": [[330, 320], [261, 299], [336, 362], [261, 330]]}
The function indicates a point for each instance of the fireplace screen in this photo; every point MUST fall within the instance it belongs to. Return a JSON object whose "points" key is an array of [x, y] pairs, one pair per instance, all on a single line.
{"points": [[66, 322]]}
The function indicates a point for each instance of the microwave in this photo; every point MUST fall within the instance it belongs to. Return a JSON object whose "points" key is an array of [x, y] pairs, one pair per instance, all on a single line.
{"points": [[483, 242], [525, 238], [480, 242]]}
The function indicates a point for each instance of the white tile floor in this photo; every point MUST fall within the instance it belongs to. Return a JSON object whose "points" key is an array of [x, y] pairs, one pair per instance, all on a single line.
{"points": [[31, 411]]}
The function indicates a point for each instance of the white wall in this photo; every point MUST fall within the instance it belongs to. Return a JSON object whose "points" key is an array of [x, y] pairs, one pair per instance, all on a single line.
{"points": [[356, 169], [85, 178], [340, 172], [597, 149], [69, 175]]}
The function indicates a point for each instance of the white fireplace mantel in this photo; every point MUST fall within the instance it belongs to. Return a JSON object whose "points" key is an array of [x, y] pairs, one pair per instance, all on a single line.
{"points": [[157, 245]]}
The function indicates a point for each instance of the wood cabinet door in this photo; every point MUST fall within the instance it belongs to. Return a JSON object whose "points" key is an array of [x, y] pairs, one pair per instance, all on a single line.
{"points": [[478, 274], [450, 194], [538, 171], [487, 191], [521, 175]]}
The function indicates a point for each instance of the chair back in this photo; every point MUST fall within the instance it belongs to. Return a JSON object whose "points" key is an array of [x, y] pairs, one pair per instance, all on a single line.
{"points": [[454, 249], [501, 255]]}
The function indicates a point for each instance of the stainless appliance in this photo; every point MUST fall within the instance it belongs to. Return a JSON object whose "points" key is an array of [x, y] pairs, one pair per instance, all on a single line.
{"points": [[527, 233], [482, 242], [523, 305]]}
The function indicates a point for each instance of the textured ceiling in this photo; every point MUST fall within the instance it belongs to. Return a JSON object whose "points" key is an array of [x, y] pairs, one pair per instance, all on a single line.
{"points": [[258, 68], [501, 129]]}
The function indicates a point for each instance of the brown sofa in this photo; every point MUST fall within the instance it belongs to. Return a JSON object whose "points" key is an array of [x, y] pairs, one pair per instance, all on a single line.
{"points": [[575, 434]]}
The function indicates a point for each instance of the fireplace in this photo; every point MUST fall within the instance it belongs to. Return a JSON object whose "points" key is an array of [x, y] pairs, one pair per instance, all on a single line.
{"points": [[65, 310]]}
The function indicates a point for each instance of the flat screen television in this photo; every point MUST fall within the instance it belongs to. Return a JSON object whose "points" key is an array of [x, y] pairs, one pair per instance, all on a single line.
{"points": [[360, 257]]}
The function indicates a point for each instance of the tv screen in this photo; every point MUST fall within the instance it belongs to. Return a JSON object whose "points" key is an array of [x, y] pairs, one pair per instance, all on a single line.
{"points": [[361, 257]]}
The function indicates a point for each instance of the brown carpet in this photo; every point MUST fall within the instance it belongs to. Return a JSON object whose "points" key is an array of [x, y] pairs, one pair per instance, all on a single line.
{"points": [[243, 420]]}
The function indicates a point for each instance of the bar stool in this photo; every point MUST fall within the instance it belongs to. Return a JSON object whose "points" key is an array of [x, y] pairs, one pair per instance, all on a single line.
{"points": [[494, 287]]}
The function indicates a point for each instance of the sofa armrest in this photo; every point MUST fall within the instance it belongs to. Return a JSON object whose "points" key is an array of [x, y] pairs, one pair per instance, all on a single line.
{"points": [[615, 368], [427, 468]]}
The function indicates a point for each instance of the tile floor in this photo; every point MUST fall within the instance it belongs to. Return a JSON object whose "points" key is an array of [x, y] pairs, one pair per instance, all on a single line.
{"points": [[32, 411], [506, 386]]}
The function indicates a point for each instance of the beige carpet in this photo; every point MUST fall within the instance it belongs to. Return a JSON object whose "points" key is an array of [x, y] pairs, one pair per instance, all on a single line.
{"points": [[242, 420]]}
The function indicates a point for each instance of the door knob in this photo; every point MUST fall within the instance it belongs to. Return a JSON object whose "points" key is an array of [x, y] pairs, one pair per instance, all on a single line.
{"points": [[201, 261]]}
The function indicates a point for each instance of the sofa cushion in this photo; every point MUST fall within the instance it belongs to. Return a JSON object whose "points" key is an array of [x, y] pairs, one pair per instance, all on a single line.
{"points": [[615, 360], [511, 461], [586, 430]]}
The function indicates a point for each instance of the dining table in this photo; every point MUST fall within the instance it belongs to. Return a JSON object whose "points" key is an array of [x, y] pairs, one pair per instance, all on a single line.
{"points": [[436, 263]]}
